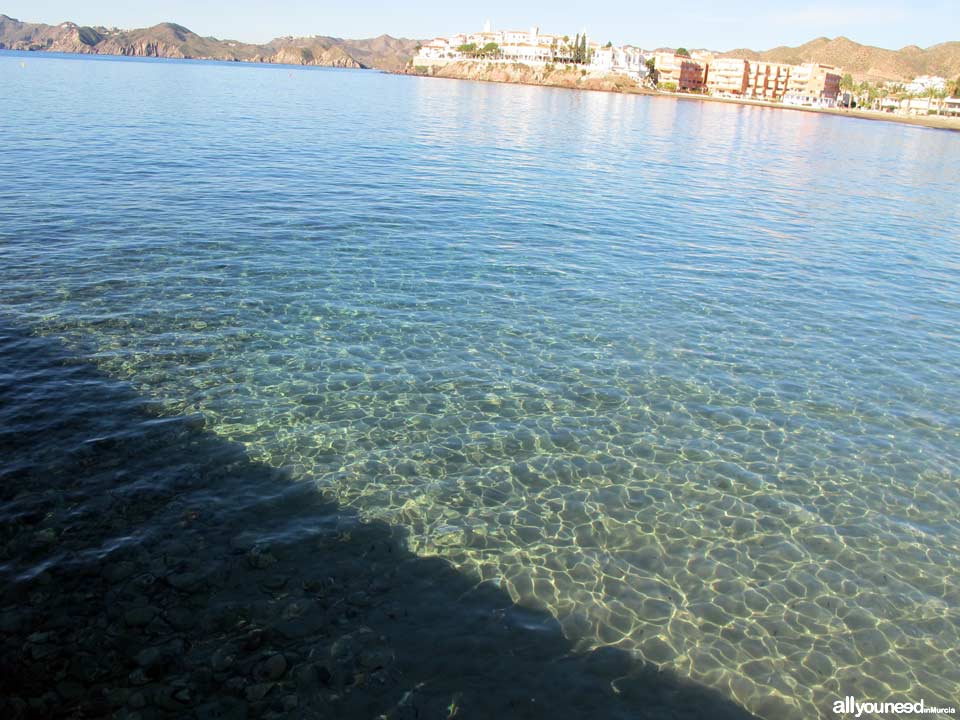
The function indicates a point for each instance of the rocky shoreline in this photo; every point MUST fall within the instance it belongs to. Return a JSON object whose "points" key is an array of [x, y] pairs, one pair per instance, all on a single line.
{"points": [[150, 570], [560, 76]]}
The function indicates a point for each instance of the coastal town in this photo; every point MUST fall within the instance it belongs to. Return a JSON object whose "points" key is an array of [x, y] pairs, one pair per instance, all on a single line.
{"points": [[682, 72], [827, 75]]}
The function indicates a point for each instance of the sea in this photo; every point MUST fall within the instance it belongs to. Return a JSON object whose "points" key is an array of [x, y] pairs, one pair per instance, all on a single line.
{"points": [[683, 376]]}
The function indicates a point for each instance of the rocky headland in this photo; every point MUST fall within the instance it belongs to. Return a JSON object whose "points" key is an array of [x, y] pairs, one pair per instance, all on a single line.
{"points": [[562, 76]]}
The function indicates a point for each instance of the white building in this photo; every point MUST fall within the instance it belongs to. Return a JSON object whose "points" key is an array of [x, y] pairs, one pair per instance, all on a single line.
{"points": [[949, 107], [802, 98], [436, 49], [923, 84], [530, 47], [625, 59]]}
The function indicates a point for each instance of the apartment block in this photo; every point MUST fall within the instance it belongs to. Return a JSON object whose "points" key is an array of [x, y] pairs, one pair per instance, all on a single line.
{"points": [[813, 85], [728, 77], [686, 74], [767, 81], [809, 84]]}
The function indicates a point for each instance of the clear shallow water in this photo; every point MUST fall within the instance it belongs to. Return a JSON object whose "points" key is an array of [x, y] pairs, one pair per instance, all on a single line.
{"points": [[685, 374]]}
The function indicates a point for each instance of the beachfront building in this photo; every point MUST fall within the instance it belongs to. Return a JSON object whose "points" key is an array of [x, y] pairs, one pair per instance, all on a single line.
{"points": [[680, 73], [728, 77], [916, 106], [813, 85], [924, 84], [946, 107], [809, 84], [767, 81]]}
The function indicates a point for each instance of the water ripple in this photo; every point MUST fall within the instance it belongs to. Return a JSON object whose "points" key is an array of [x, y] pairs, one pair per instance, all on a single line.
{"points": [[683, 374]]}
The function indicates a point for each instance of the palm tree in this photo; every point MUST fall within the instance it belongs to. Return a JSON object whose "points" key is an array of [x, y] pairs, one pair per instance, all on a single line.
{"points": [[941, 96]]}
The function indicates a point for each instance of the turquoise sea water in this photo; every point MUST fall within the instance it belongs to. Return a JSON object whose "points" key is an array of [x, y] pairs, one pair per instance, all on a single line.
{"points": [[684, 374]]}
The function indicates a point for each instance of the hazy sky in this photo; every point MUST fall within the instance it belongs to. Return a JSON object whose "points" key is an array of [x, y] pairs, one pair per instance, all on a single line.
{"points": [[759, 24]]}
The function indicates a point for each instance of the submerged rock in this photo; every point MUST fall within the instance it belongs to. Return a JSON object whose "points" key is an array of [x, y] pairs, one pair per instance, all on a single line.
{"points": [[257, 692], [260, 557], [140, 616], [272, 668]]}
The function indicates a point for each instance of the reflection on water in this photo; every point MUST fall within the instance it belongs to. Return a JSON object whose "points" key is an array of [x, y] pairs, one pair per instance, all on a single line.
{"points": [[683, 374]]}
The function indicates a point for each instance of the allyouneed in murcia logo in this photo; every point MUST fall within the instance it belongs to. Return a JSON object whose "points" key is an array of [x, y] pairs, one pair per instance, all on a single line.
{"points": [[850, 706]]}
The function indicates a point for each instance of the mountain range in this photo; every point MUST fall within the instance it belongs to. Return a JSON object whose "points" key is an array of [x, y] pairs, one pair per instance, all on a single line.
{"points": [[864, 62], [170, 40]]}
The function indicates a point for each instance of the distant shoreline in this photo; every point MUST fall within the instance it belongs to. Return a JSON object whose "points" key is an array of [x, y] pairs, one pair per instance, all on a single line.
{"points": [[932, 122], [108, 57], [929, 121]]}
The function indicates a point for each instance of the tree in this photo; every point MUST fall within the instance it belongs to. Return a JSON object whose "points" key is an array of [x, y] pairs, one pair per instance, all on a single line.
{"points": [[576, 49], [942, 95], [468, 49], [953, 87], [609, 44], [683, 52], [583, 49], [491, 48], [938, 95], [847, 82], [652, 70]]}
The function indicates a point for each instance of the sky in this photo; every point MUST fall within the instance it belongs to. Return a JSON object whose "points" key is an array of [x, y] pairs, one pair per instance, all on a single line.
{"points": [[726, 25]]}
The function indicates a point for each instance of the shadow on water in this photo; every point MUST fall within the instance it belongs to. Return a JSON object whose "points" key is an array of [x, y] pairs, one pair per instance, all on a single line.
{"points": [[150, 569]]}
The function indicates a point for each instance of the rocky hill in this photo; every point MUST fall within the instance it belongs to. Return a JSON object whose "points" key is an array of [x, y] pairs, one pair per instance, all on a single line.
{"points": [[562, 76], [866, 62], [384, 52], [169, 40]]}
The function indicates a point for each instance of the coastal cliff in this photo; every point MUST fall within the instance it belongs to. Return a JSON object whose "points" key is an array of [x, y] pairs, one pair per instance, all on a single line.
{"points": [[169, 40], [550, 76], [310, 55]]}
